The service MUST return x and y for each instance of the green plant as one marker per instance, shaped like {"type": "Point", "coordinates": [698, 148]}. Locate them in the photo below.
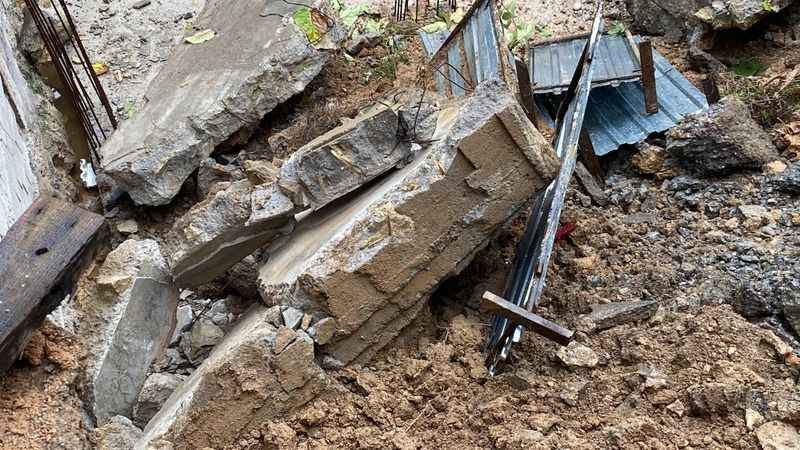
{"type": "Point", "coordinates": [747, 67]}
{"type": "Point", "coordinates": [446, 21]}
{"type": "Point", "coordinates": [617, 29]}
{"type": "Point", "coordinates": [767, 6]}
{"type": "Point", "coordinates": [769, 105]}
{"type": "Point", "coordinates": [518, 32]}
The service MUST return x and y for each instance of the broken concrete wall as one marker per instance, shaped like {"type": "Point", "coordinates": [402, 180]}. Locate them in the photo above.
{"type": "Point", "coordinates": [18, 184]}
{"type": "Point", "coordinates": [134, 317]}
{"type": "Point", "coordinates": [245, 381]}
{"type": "Point", "coordinates": [245, 215]}
{"type": "Point", "coordinates": [206, 92]}
{"type": "Point", "coordinates": [371, 263]}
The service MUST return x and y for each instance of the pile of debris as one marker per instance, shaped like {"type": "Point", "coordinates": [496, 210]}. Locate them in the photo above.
{"type": "Point", "coordinates": [346, 240]}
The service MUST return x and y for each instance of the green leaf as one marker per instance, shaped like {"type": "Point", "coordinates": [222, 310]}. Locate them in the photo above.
{"type": "Point", "coordinates": [336, 5]}
{"type": "Point", "coordinates": [375, 26]}
{"type": "Point", "coordinates": [350, 15]}
{"type": "Point", "coordinates": [435, 27]}
{"type": "Point", "coordinates": [302, 18]}
{"type": "Point", "coordinates": [457, 16]}
{"type": "Point", "coordinates": [747, 67]}
{"type": "Point", "coordinates": [201, 36]}
{"type": "Point", "coordinates": [617, 29]}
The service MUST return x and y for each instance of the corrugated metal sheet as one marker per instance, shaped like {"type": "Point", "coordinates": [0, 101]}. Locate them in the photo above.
{"type": "Point", "coordinates": [474, 52]}
{"type": "Point", "coordinates": [616, 114]}
{"type": "Point", "coordinates": [553, 64]}
{"type": "Point", "coordinates": [432, 41]}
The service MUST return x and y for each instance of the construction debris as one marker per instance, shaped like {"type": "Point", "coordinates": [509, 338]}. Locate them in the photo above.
{"type": "Point", "coordinates": [241, 382]}
{"type": "Point", "coordinates": [191, 111]}
{"type": "Point", "coordinates": [724, 140]}
{"type": "Point", "coordinates": [156, 390]}
{"type": "Point", "coordinates": [136, 317]}
{"type": "Point", "coordinates": [425, 220]}
{"type": "Point", "coordinates": [41, 258]}
{"type": "Point", "coordinates": [610, 315]}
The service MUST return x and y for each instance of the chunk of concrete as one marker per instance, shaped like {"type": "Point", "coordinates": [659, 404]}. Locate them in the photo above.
{"type": "Point", "coordinates": [136, 317]}
{"type": "Point", "coordinates": [778, 436]}
{"type": "Point", "coordinates": [229, 225]}
{"type": "Point", "coordinates": [345, 158]}
{"type": "Point", "coordinates": [242, 382]}
{"type": "Point", "coordinates": [371, 263]}
{"type": "Point", "coordinates": [157, 388]}
{"type": "Point", "coordinates": [207, 92]}
{"type": "Point", "coordinates": [118, 434]}
{"type": "Point", "coordinates": [577, 355]}
{"type": "Point", "coordinates": [720, 141]}
{"type": "Point", "coordinates": [610, 315]}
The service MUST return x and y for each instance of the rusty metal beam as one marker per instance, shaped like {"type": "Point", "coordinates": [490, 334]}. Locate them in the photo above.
{"type": "Point", "coordinates": [648, 77]}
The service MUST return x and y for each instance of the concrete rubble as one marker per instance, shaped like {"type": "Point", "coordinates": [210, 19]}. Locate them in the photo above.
{"type": "Point", "coordinates": [136, 316]}
{"type": "Point", "coordinates": [242, 382]}
{"type": "Point", "coordinates": [156, 390]}
{"type": "Point", "coordinates": [203, 95]}
{"type": "Point", "coordinates": [610, 315]}
{"type": "Point", "coordinates": [242, 216]}
{"type": "Point", "coordinates": [118, 434]}
{"type": "Point", "coordinates": [370, 264]}
{"type": "Point", "coordinates": [721, 141]}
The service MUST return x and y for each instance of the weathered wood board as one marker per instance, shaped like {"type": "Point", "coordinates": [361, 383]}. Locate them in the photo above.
{"type": "Point", "coordinates": [41, 259]}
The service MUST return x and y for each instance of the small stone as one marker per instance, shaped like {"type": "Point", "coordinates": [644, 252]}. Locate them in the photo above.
{"type": "Point", "coordinates": [613, 314]}
{"type": "Point", "coordinates": [778, 436]}
{"type": "Point", "coordinates": [776, 166]}
{"type": "Point", "coordinates": [128, 227]}
{"type": "Point", "coordinates": [283, 338]}
{"type": "Point", "coordinates": [306, 322]}
{"type": "Point", "coordinates": [677, 408]}
{"type": "Point", "coordinates": [183, 318]}
{"type": "Point", "coordinates": [753, 419]}
{"type": "Point", "coordinates": [274, 317]}
{"type": "Point", "coordinates": [205, 334]}
{"type": "Point", "coordinates": [754, 212]}
{"type": "Point", "coordinates": [586, 263]}
{"type": "Point", "coordinates": [292, 317]}
{"type": "Point", "coordinates": [118, 433]}
{"type": "Point", "coordinates": [577, 355]}
{"type": "Point", "coordinates": [653, 378]}
{"type": "Point", "coordinates": [157, 388]}
{"type": "Point", "coordinates": [323, 331]}
{"type": "Point", "coordinates": [571, 393]}
{"type": "Point", "coordinates": [141, 4]}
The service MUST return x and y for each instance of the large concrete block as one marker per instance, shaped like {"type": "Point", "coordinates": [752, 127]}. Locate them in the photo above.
{"type": "Point", "coordinates": [206, 92]}
{"type": "Point", "coordinates": [225, 228]}
{"type": "Point", "coordinates": [372, 263]}
{"type": "Point", "coordinates": [136, 316]}
{"type": "Point", "coordinates": [345, 158]}
{"type": "Point", "coordinates": [242, 383]}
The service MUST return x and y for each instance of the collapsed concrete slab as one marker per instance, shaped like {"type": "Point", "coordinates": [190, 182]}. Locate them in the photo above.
{"type": "Point", "coordinates": [225, 228]}
{"type": "Point", "coordinates": [208, 91]}
{"type": "Point", "coordinates": [136, 312]}
{"type": "Point", "coordinates": [345, 158]}
{"type": "Point", "coordinates": [244, 381]}
{"type": "Point", "coordinates": [243, 217]}
{"type": "Point", "coordinates": [371, 263]}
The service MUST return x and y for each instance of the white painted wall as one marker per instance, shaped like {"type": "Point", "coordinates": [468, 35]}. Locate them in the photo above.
{"type": "Point", "coordinates": [18, 184]}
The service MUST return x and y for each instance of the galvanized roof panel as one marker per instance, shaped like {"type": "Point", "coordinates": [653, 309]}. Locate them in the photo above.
{"type": "Point", "coordinates": [473, 52]}
{"type": "Point", "coordinates": [616, 114]}
{"type": "Point", "coordinates": [552, 64]}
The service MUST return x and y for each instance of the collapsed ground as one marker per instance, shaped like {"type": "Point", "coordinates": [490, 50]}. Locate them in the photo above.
{"type": "Point", "coordinates": [691, 376]}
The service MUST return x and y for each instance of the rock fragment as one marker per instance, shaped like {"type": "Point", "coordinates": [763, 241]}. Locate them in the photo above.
{"type": "Point", "coordinates": [577, 355]}
{"type": "Point", "coordinates": [136, 320]}
{"type": "Point", "coordinates": [778, 436]}
{"type": "Point", "coordinates": [323, 331]}
{"type": "Point", "coordinates": [242, 382]}
{"type": "Point", "coordinates": [610, 315]}
{"type": "Point", "coordinates": [206, 93]}
{"type": "Point", "coordinates": [723, 140]}
{"type": "Point", "coordinates": [788, 181]}
{"type": "Point", "coordinates": [292, 317]}
{"type": "Point", "coordinates": [230, 224]}
{"type": "Point", "coordinates": [345, 158]}
{"type": "Point", "coordinates": [118, 434]}
{"type": "Point", "coordinates": [371, 263]}
{"type": "Point", "coordinates": [157, 388]}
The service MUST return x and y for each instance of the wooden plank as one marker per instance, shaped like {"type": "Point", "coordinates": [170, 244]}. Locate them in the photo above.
{"type": "Point", "coordinates": [648, 77]}
{"type": "Point", "coordinates": [590, 185]}
{"type": "Point", "coordinates": [588, 156]}
{"type": "Point", "coordinates": [41, 258]}
{"type": "Point", "coordinates": [527, 319]}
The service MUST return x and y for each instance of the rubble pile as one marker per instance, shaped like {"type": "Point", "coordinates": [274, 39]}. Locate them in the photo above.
{"type": "Point", "coordinates": [260, 271]}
